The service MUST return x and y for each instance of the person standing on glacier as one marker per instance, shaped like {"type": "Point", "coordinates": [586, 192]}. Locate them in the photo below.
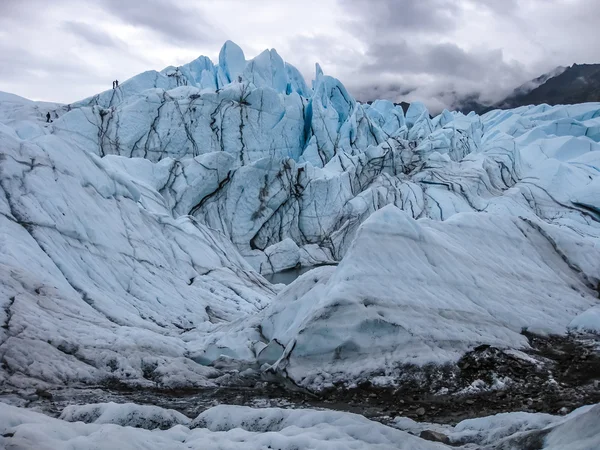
{"type": "Point", "coordinates": [116, 83]}
{"type": "Point", "coordinates": [48, 117]}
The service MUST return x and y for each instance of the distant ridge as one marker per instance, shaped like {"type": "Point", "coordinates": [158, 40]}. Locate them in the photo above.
{"type": "Point", "coordinates": [579, 83]}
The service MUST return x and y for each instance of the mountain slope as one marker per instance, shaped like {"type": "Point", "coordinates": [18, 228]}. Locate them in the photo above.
{"type": "Point", "coordinates": [579, 83]}
{"type": "Point", "coordinates": [530, 85]}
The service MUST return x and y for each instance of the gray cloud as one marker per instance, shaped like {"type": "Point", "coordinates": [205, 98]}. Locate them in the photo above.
{"type": "Point", "coordinates": [19, 63]}
{"type": "Point", "coordinates": [410, 55]}
{"type": "Point", "coordinates": [437, 51]}
{"type": "Point", "coordinates": [91, 34]}
{"type": "Point", "coordinates": [16, 11]}
{"type": "Point", "coordinates": [416, 16]}
{"type": "Point", "coordinates": [43, 75]}
{"type": "Point", "coordinates": [446, 70]}
{"type": "Point", "coordinates": [444, 58]}
{"type": "Point", "coordinates": [10, 9]}
{"type": "Point", "coordinates": [169, 19]}
{"type": "Point", "coordinates": [332, 53]}
{"type": "Point", "coordinates": [62, 50]}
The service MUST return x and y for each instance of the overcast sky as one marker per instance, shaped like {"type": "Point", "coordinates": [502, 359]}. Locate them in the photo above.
{"type": "Point", "coordinates": [65, 50]}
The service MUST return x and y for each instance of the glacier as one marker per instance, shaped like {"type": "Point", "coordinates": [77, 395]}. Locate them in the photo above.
{"type": "Point", "coordinates": [138, 226]}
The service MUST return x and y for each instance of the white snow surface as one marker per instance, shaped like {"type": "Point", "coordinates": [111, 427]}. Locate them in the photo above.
{"type": "Point", "coordinates": [130, 426]}
{"type": "Point", "coordinates": [221, 427]}
{"type": "Point", "coordinates": [134, 226]}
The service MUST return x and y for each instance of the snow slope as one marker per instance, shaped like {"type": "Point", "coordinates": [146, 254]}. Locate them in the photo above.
{"type": "Point", "coordinates": [94, 285]}
{"type": "Point", "coordinates": [23, 118]}
{"type": "Point", "coordinates": [135, 225]}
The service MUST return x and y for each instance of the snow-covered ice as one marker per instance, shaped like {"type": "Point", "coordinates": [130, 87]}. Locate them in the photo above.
{"type": "Point", "coordinates": [578, 430]}
{"type": "Point", "coordinates": [223, 427]}
{"type": "Point", "coordinates": [129, 426]}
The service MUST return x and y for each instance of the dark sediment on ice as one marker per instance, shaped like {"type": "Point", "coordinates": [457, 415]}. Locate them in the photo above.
{"type": "Point", "coordinates": [557, 375]}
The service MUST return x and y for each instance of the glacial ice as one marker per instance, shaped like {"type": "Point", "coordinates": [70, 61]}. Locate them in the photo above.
{"type": "Point", "coordinates": [136, 227]}
{"type": "Point", "coordinates": [511, 430]}
{"type": "Point", "coordinates": [418, 292]}
{"type": "Point", "coordinates": [94, 284]}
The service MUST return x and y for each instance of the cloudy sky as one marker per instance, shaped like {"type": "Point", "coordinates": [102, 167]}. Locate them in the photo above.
{"type": "Point", "coordinates": [432, 50]}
